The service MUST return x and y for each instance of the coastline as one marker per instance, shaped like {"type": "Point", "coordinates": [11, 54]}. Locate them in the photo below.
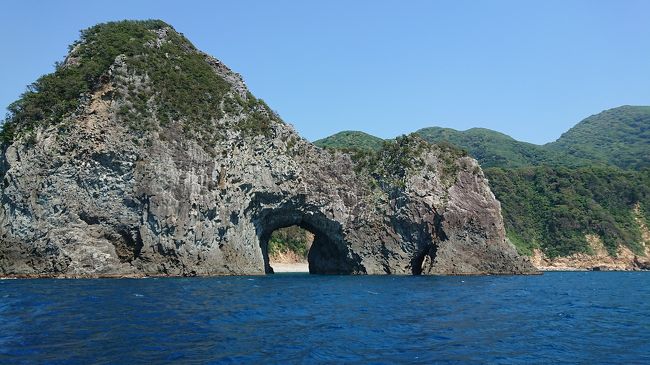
{"type": "Point", "coordinates": [292, 267]}
{"type": "Point", "coordinates": [303, 268]}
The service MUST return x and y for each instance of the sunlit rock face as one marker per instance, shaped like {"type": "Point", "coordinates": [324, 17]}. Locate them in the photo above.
{"type": "Point", "coordinates": [92, 196]}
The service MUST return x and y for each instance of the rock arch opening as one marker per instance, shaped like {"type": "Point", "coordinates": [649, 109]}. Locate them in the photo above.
{"type": "Point", "coordinates": [288, 249]}
{"type": "Point", "coordinates": [423, 260]}
{"type": "Point", "coordinates": [328, 253]}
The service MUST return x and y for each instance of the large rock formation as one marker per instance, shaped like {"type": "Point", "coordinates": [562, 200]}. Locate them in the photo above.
{"type": "Point", "coordinates": [134, 182]}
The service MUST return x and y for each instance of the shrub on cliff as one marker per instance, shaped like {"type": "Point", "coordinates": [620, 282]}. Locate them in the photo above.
{"type": "Point", "coordinates": [176, 84]}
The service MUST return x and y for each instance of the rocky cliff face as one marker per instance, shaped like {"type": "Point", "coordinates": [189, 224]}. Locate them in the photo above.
{"type": "Point", "coordinates": [129, 184]}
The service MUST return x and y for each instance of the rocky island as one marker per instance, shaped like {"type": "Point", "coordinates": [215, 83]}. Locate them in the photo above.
{"type": "Point", "coordinates": [141, 156]}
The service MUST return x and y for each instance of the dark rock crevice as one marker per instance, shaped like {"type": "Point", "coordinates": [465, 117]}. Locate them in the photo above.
{"type": "Point", "coordinates": [128, 244]}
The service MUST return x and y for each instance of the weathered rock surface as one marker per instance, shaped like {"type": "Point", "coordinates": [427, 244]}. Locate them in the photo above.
{"type": "Point", "coordinates": [97, 200]}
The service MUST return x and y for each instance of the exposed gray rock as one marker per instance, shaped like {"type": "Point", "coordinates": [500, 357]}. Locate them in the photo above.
{"type": "Point", "coordinates": [94, 199]}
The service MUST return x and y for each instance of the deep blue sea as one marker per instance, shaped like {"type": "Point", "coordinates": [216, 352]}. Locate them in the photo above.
{"type": "Point", "coordinates": [568, 317]}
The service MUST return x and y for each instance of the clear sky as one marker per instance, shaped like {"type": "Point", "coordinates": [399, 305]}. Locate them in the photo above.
{"type": "Point", "coordinates": [531, 69]}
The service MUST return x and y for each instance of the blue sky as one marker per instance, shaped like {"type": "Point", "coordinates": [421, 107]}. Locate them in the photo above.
{"type": "Point", "coordinates": [531, 69]}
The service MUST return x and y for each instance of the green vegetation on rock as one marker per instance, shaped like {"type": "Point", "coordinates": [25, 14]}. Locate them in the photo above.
{"type": "Point", "coordinates": [55, 95]}
{"type": "Point", "coordinates": [159, 77]}
{"type": "Point", "coordinates": [389, 166]}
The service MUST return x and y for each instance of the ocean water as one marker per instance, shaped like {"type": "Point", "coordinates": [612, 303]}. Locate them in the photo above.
{"type": "Point", "coordinates": [568, 317]}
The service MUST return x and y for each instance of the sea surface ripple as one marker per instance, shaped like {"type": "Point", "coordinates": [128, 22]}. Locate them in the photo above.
{"type": "Point", "coordinates": [568, 317]}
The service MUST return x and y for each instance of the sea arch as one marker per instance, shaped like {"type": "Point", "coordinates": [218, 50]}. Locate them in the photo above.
{"type": "Point", "coordinates": [329, 252]}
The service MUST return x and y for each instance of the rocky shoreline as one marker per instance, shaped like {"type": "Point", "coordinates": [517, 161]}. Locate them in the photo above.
{"type": "Point", "coordinates": [599, 259]}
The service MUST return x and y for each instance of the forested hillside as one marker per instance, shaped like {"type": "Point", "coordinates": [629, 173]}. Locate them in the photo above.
{"type": "Point", "coordinates": [553, 208]}
{"type": "Point", "coordinates": [589, 181]}
{"type": "Point", "coordinates": [492, 149]}
{"type": "Point", "coordinates": [351, 140]}
{"type": "Point", "coordinates": [619, 137]}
